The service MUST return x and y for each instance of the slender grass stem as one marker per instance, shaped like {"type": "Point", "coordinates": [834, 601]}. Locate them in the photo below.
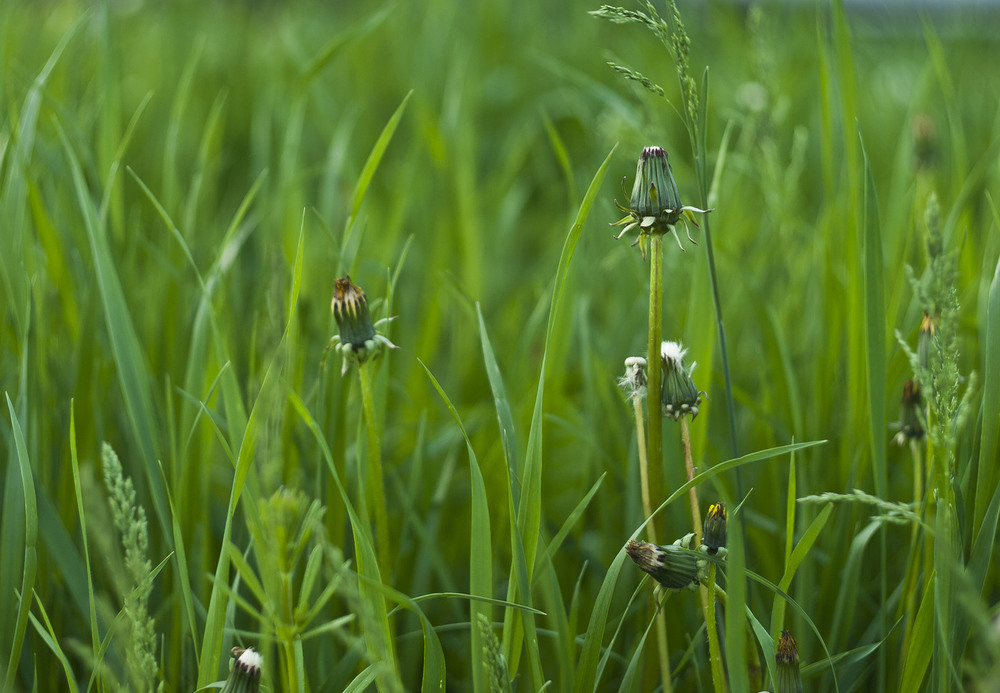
{"type": "Point", "coordinates": [376, 484]}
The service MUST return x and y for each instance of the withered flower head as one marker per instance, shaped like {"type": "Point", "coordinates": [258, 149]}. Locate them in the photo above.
{"type": "Point", "coordinates": [670, 566]}
{"type": "Point", "coordinates": [679, 396]}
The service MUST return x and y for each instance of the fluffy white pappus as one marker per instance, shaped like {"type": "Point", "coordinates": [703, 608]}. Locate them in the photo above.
{"type": "Point", "coordinates": [673, 353]}
{"type": "Point", "coordinates": [250, 659]}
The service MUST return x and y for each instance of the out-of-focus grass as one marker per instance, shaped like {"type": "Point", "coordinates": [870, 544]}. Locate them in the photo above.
{"type": "Point", "coordinates": [160, 164]}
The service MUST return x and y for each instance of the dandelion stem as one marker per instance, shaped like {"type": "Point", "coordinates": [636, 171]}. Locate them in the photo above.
{"type": "Point", "coordinates": [655, 434]}
{"type": "Point", "coordinates": [714, 652]}
{"type": "Point", "coordinates": [647, 506]}
{"type": "Point", "coordinates": [375, 485]}
{"type": "Point", "coordinates": [651, 475]}
{"type": "Point", "coordinates": [689, 466]}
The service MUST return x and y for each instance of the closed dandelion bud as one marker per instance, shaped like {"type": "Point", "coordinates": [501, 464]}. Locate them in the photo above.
{"type": "Point", "coordinates": [350, 309]}
{"type": "Point", "coordinates": [679, 396]}
{"type": "Point", "coordinates": [655, 196]}
{"type": "Point", "coordinates": [910, 414]}
{"type": "Point", "coordinates": [655, 205]}
{"type": "Point", "coordinates": [924, 342]}
{"type": "Point", "coordinates": [715, 528]}
{"type": "Point", "coordinates": [670, 566]}
{"type": "Point", "coordinates": [244, 677]}
{"type": "Point", "coordinates": [787, 659]}
{"type": "Point", "coordinates": [357, 340]}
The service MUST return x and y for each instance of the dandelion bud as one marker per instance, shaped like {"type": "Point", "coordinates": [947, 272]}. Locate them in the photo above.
{"type": "Point", "coordinates": [358, 340]}
{"type": "Point", "coordinates": [244, 677]}
{"type": "Point", "coordinates": [787, 659]}
{"type": "Point", "coordinates": [715, 528]}
{"type": "Point", "coordinates": [655, 205]}
{"type": "Point", "coordinates": [670, 566]}
{"type": "Point", "coordinates": [655, 196]}
{"type": "Point", "coordinates": [925, 141]}
{"type": "Point", "coordinates": [924, 342]}
{"type": "Point", "coordinates": [910, 414]}
{"type": "Point", "coordinates": [679, 396]}
{"type": "Point", "coordinates": [350, 308]}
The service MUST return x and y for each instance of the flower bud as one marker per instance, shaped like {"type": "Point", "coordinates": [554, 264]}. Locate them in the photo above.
{"type": "Point", "coordinates": [911, 414]}
{"type": "Point", "coordinates": [244, 677]}
{"type": "Point", "coordinates": [679, 396]}
{"type": "Point", "coordinates": [655, 205]}
{"type": "Point", "coordinates": [357, 339]}
{"type": "Point", "coordinates": [924, 342]}
{"type": "Point", "coordinates": [715, 528]}
{"type": "Point", "coordinates": [787, 659]}
{"type": "Point", "coordinates": [670, 566]}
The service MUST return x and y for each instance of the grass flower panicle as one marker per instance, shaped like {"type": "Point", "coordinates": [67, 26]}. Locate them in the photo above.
{"type": "Point", "coordinates": [655, 206]}
{"type": "Point", "coordinates": [679, 396]}
{"type": "Point", "coordinates": [358, 339]}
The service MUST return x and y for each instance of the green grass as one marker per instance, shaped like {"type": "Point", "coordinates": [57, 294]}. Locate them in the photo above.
{"type": "Point", "coordinates": [181, 183]}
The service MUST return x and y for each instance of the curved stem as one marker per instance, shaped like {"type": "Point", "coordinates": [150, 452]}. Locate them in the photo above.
{"type": "Point", "coordinates": [689, 466]}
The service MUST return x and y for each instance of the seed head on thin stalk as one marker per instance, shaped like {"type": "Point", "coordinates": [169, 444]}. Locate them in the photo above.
{"type": "Point", "coordinates": [655, 206]}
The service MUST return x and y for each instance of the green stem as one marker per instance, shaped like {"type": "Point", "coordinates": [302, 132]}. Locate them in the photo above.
{"type": "Point", "coordinates": [689, 466]}
{"type": "Point", "coordinates": [714, 652]}
{"type": "Point", "coordinates": [647, 506]}
{"type": "Point", "coordinates": [651, 475]}
{"type": "Point", "coordinates": [376, 484]}
{"type": "Point", "coordinates": [655, 434]}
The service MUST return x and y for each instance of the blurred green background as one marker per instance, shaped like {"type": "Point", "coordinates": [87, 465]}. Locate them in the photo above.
{"type": "Point", "coordinates": [513, 109]}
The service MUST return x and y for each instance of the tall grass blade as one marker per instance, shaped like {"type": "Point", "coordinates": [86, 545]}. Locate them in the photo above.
{"type": "Point", "coordinates": [480, 547]}
{"type": "Point", "coordinates": [986, 480]}
{"type": "Point", "coordinates": [132, 370]}
{"type": "Point", "coordinates": [347, 254]}
{"type": "Point", "coordinates": [30, 561]}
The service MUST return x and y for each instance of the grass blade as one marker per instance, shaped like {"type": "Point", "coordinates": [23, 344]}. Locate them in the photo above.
{"type": "Point", "coordinates": [30, 548]}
